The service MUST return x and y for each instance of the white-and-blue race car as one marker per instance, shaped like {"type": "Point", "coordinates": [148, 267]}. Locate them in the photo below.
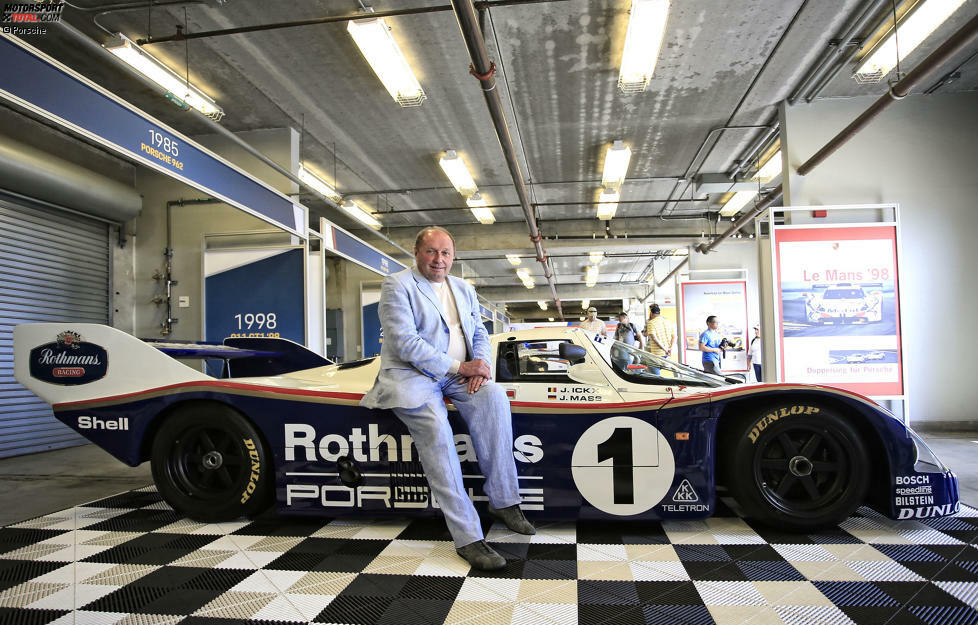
{"type": "Point", "coordinates": [615, 433]}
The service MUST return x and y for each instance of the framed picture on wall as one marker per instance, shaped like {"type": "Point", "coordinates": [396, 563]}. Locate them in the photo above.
{"type": "Point", "coordinates": [838, 303]}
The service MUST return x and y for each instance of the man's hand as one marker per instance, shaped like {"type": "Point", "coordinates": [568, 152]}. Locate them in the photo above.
{"type": "Point", "coordinates": [474, 368]}
{"type": "Point", "coordinates": [476, 382]}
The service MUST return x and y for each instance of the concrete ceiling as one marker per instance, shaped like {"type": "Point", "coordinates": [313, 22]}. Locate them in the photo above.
{"type": "Point", "coordinates": [723, 63]}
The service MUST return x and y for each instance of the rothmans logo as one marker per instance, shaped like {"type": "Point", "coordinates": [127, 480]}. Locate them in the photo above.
{"type": "Point", "coordinates": [68, 360]}
{"type": "Point", "coordinates": [27, 13]}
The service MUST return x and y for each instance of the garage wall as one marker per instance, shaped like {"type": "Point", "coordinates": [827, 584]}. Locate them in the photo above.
{"type": "Point", "coordinates": [343, 292]}
{"type": "Point", "coordinates": [189, 225]}
{"type": "Point", "coordinates": [921, 153]}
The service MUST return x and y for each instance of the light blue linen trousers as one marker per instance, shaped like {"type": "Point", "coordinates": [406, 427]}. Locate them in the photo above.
{"type": "Point", "coordinates": [487, 415]}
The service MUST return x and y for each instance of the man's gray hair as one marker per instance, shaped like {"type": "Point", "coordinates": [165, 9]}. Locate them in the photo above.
{"type": "Point", "coordinates": [424, 232]}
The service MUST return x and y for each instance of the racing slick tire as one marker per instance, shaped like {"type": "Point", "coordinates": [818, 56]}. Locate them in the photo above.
{"type": "Point", "coordinates": [210, 463]}
{"type": "Point", "coordinates": [797, 466]}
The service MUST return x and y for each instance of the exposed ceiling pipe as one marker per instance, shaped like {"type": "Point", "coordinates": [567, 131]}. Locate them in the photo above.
{"type": "Point", "coordinates": [329, 19]}
{"type": "Point", "coordinates": [485, 71]}
{"type": "Point", "coordinates": [112, 60]}
{"type": "Point", "coordinates": [837, 54]}
{"type": "Point", "coordinates": [762, 141]}
{"type": "Point", "coordinates": [955, 43]}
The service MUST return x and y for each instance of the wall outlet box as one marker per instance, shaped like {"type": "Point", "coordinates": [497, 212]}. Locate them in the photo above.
{"type": "Point", "coordinates": [183, 301]}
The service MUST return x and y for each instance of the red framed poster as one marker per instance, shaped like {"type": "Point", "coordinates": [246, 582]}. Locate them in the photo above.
{"type": "Point", "coordinates": [838, 299]}
{"type": "Point", "coordinates": [727, 299]}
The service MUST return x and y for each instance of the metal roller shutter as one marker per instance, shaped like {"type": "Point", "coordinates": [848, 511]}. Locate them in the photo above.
{"type": "Point", "coordinates": [54, 266]}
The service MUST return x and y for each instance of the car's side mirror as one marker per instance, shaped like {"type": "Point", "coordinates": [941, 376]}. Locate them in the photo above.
{"type": "Point", "coordinates": [586, 373]}
{"type": "Point", "coordinates": [571, 353]}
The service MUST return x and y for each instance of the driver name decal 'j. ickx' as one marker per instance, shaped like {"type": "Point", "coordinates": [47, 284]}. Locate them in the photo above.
{"type": "Point", "coordinates": [573, 393]}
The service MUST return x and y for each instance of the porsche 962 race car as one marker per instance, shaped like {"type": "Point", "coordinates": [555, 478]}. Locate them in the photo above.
{"type": "Point", "coordinates": [616, 433]}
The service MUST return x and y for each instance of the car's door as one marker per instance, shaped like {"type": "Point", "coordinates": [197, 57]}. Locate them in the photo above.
{"type": "Point", "coordinates": [536, 372]}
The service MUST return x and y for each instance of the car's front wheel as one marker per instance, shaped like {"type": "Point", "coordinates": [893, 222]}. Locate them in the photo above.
{"type": "Point", "coordinates": [796, 466]}
{"type": "Point", "coordinates": [209, 463]}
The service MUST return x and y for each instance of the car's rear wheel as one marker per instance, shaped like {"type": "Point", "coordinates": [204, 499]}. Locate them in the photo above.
{"type": "Point", "coordinates": [210, 463]}
{"type": "Point", "coordinates": [797, 466]}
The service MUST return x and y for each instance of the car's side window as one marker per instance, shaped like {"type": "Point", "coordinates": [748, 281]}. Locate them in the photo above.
{"type": "Point", "coordinates": [531, 361]}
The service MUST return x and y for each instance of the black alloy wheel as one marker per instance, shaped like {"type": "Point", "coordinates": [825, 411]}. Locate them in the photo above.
{"type": "Point", "coordinates": [800, 467]}
{"type": "Point", "coordinates": [210, 463]}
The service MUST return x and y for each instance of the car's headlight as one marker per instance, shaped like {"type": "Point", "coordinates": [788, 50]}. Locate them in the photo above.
{"type": "Point", "coordinates": [927, 461]}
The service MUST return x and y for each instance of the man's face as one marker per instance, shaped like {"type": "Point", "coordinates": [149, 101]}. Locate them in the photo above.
{"type": "Point", "coordinates": [591, 314]}
{"type": "Point", "coordinates": [622, 318]}
{"type": "Point", "coordinates": [713, 325]}
{"type": "Point", "coordinates": [435, 255]}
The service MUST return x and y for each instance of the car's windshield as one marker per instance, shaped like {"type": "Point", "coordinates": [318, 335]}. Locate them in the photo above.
{"type": "Point", "coordinates": [843, 294]}
{"type": "Point", "coordinates": [636, 365]}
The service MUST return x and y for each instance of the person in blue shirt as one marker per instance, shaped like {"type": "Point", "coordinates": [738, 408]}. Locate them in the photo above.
{"type": "Point", "coordinates": [710, 345]}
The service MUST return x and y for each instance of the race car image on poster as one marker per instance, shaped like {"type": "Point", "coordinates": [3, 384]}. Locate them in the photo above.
{"type": "Point", "coordinates": [844, 302]}
{"type": "Point", "coordinates": [651, 440]}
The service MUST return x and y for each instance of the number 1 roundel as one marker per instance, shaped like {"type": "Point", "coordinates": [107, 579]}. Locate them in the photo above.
{"type": "Point", "coordinates": [622, 465]}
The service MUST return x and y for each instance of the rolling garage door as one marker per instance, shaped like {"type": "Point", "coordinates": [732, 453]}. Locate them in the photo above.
{"type": "Point", "coordinates": [54, 266]}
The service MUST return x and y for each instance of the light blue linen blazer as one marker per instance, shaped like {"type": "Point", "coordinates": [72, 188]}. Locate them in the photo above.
{"type": "Point", "coordinates": [413, 355]}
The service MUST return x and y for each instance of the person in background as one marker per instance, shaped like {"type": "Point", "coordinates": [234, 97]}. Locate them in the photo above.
{"type": "Point", "coordinates": [754, 353]}
{"type": "Point", "coordinates": [435, 347]}
{"type": "Point", "coordinates": [627, 333]}
{"type": "Point", "coordinates": [660, 333]}
{"type": "Point", "coordinates": [593, 324]}
{"type": "Point", "coordinates": [710, 346]}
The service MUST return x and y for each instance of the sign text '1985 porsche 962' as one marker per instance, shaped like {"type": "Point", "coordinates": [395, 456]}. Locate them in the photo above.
{"type": "Point", "coordinates": [601, 431]}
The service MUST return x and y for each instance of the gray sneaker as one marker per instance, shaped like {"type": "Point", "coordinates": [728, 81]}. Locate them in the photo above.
{"type": "Point", "coordinates": [481, 556]}
{"type": "Point", "coordinates": [513, 517]}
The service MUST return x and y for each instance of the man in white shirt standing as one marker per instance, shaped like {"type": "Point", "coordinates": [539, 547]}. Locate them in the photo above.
{"type": "Point", "coordinates": [593, 324]}
{"type": "Point", "coordinates": [754, 354]}
{"type": "Point", "coordinates": [435, 346]}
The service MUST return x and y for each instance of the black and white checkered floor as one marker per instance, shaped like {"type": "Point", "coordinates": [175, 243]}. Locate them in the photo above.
{"type": "Point", "coordinates": [131, 559]}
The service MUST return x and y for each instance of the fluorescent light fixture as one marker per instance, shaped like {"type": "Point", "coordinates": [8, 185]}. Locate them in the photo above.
{"type": "Point", "coordinates": [316, 183]}
{"type": "Point", "coordinates": [616, 165]}
{"type": "Point", "coordinates": [591, 275]}
{"type": "Point", "coordinates": [582, 318]}
{"type": "Point", "coordinates": [477, 204]}
{"type": "Point", "coordinates": [529, 283]}
{"type": "Point", "coordinates": [550, 319]}
{"type": "Point", "coordinates": [770, 170]}
{"type": "Point", "coordinates": [910, 33]}
{"type": "Point", "coordinates": [608, 204]}
{"type": "Point", "coordinates": [739, 200]}
{"type": "Point", "coordinates": [585, 303]}
{"type": "Point", "coordinates": [595, 256]}
{"type": "Point", "coordinates": [359, 214]}
{"type": "Point", "coordinates": [514, 259]}
{"type": "Point", "coordinates": [458, 173]}
{"type": "Point", "coordinates": [646, 27]}
{"type": "Point", "coordinates": [542, 304]}
{"type": "Point", "coordinates": [177, 87]}
{"type": "Point", "coordinates": [523, 273]}
{"type": "Point", "coordinates": [377, 45]}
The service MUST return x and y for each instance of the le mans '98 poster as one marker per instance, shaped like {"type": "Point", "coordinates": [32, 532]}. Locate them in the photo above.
{"type": "Point", "coordinates": [840, 313]}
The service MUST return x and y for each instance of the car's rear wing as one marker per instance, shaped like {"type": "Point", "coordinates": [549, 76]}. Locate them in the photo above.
{"type": "Point", "coordinates": [67, 362]}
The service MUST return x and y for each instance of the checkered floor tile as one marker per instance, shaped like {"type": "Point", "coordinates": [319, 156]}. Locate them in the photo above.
{"type": "Point", "coordinates": [131, 559]}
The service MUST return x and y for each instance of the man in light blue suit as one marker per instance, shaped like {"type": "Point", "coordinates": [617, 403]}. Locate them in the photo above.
{"type": "Point", "coordinates": [435, 346]}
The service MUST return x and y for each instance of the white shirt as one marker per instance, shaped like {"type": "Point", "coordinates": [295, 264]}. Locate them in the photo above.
{"type": "Point", "coordinates": [456, 340]}
{"type": "Point", "coordinates": [754, 351]}
{"type": "Point", "coordinates": [595, 326]}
